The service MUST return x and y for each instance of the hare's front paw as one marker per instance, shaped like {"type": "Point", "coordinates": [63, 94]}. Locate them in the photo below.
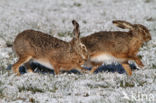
{"type": "Point", "coordinates": [141, 66]}
{"type": "Point", "coordinates": [16, 71]}
{"type": "Point", "coordinates": [93, 69]}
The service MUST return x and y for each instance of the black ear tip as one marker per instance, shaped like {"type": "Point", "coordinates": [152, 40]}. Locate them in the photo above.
{"type": "Point", "coordinates": [73, 22]}
{"type": "Point", "coordinates": [114, 21]}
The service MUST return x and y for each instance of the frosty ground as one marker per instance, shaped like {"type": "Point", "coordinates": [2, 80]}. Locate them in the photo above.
{"type": "Point", "coordinates": [54, 17]}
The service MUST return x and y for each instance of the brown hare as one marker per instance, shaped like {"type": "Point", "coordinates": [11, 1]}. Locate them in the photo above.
{"type": "Point", "coordinates": [117, 46]}
{"type": "Point", "coordinates": [36, 46]}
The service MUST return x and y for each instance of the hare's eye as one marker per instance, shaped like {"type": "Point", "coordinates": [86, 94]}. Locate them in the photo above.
{"type": "Point", "coordinates": [83, 47]}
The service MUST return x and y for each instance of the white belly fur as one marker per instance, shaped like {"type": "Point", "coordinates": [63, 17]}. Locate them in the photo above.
{"type": "Point", "coordinates": [43, 62]}
{"type": "Point", "coordinates": [106, 59]}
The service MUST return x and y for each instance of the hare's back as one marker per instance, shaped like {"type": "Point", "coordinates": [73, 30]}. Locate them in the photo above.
{"type": "Point", "coordinates": [35, 37]}
{"type": "Point", "coordinates": [39, 39]}
{"type": "Point", "coordinates": [31, 42]}
{"type": "Point", "coordinates": [107, 41]}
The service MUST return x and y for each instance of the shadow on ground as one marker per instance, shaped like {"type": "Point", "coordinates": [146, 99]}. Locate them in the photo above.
{"type": "Point", "coordinates": [38, 68]}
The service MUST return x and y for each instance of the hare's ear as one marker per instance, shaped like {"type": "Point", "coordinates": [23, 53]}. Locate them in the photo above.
{"type": "Point", "coordinates": [123, 24]}
{"type": "Point", "coordinates": [76, 30]}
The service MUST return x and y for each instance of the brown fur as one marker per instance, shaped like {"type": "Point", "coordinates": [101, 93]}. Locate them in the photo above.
{"type": "Point", "coordinates": [122, 45]}
{"type": "Point", "coordinates": [30, 45]}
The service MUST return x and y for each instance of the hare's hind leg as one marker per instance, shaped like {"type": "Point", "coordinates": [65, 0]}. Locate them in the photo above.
{"type": "Point", "coordinates": [21, 60]}
{"type": "Point", "coordinates": [127, 68]}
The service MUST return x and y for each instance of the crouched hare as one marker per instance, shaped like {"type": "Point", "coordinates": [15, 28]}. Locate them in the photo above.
{"type": "Point", "coordinates": [35, 46]}
{"type": "Point", "coordinates": [117, 46]}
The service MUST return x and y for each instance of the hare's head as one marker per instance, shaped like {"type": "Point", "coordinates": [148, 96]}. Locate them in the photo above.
{"type": "Point", "coordinates": [136, 29]}
{"type": "Point", "coordinates": [143, 31]}
{"type": "Point", "coordinates": [77, 45]}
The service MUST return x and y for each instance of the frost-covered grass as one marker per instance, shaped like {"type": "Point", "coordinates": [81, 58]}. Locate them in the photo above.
{"type": "Point", "coordinates": [54, 17]}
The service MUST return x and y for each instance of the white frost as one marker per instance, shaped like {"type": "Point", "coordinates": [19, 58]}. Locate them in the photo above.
{"type": "Point", "coordinates": [55, 16]}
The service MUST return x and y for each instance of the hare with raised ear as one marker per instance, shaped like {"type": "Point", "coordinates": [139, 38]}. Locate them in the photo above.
{"type": "Point", "coordinates": [36, 46]}
{"type": "Point", "coordinates": [117, 46]}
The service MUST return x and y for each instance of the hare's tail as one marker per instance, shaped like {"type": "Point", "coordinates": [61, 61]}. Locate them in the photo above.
{"type": "Point", "coordinates": [123, 24]}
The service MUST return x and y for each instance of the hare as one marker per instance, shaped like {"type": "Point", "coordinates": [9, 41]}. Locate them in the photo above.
{"type": "Point", "coordinates": [39, 47]}
{"type": "Point", "coordinates": [117, 46]}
